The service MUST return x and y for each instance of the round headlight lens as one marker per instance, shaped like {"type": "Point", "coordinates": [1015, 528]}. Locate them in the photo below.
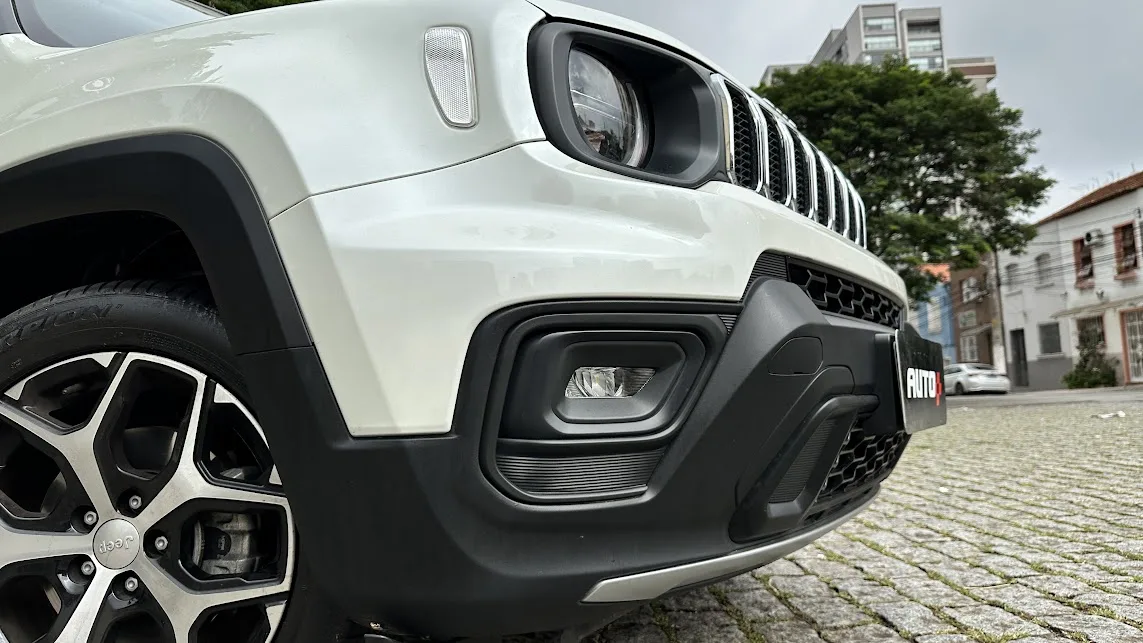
{"type": "Point", "coordinates": [607, 109]}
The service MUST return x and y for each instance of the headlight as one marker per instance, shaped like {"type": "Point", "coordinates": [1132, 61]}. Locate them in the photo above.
{"type": "Point", "coordinates": [607, 110]}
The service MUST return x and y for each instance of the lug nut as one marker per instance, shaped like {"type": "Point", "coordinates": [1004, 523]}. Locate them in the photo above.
{"type": "Point", "coordinates": [161, 543]}
{"type": "Point", "coordinates": [135, 503]}
{"type": "Point", "coordinates": [87, 568]}
{"type": "Point", "coordinates": [131, 584]}
{"type": "Point", "coordinates": [90, 518]}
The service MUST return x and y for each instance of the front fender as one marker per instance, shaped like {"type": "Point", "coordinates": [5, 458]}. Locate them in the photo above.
{"type": "Point", "coordinates": [309, 98]}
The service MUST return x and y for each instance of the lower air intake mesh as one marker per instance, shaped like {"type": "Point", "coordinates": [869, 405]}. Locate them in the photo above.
{"type": "Point", "coordinates": [795, 479]}
{"type": "Point", "coordinates": [556, 476]}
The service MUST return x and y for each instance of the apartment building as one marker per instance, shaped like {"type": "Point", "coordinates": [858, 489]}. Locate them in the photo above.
{"type": "Point", "coordinates": [1081, 271]}
{"type": "Point", "coordinates": [972, 316]}
{"type": "Point", "coordinates": [876, 31]}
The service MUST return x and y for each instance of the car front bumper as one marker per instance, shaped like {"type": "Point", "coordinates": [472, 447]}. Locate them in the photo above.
{"type": "Point", "coordinates": [790, 431]}
{"type": "Point", "coordinates": [415, 508]}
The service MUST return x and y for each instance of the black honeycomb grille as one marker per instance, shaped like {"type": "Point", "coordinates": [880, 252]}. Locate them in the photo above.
{"type": "Point", "coordinates": [863, 461]}
{"type": "Point", "coordinates": [835, 294]}
{"type": "Point", "coordinates": [824, 178]}
{"type": "Point", "coordinates": [779, 185]}
{"type": "Point", "coordinates": [746, 153]}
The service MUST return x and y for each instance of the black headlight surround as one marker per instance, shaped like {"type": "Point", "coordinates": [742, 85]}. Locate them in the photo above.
{"type": "Point", "coordinates": [687, 145]}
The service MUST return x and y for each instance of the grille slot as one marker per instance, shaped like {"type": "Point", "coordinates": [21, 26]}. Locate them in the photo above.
{"type": "Point", "coordinates": [801, 178]}
{"type": "Point", "coordinates": [839, 295]}
{"type": "Point", "coordinates": [863, 461]}
{"type": "Point", "coordinates": [779, 180]}
{"type": "Point", "coordinates": [746, 167]}
{"type": "Point", "coordinates": [842, 223]}
{"type": "Point", "coordinates": [576, 475]}
{"type": "Point", "coordinates": [825, 205]}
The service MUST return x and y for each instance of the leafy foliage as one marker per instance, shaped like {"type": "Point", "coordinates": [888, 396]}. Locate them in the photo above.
{"type": "Point", "coordinates": [921, 146]}
{"type": "Point", "coordinates": [239, 6]}
{"type": "Point", "coordinates": [1094, 368]}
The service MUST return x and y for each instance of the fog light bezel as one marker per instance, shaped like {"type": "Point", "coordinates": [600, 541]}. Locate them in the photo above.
{"type": "Point", "coordinates": [537, 409]}
{"type": "Point", "coordinates": [490, 373]}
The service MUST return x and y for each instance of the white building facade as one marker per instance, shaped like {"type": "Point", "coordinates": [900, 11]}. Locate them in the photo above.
{"type": "Point", "coordinates": [1081, 271]}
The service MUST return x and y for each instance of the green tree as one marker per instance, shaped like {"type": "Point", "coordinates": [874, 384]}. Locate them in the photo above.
{"type": "Point", "coordinates": [1094, 368]}
{"type": "Point", "coordinates": [239, 6]}
{"type": "Point", "coordinates": [914, 142]}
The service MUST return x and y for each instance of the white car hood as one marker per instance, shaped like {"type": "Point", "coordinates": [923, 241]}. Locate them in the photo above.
{"type": "Point", "coordinates": [569, 11]}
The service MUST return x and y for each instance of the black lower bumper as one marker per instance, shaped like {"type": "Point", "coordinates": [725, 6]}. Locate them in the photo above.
{"type": "Point", "coordinates": [789, 423]}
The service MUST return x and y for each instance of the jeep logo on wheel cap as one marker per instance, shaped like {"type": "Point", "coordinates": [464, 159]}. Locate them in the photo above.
{"type": "Point", "coordinates": [116, 544]}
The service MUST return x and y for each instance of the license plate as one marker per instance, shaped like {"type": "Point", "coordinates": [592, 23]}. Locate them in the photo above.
{"type": "Point", "coordinates": [920, 380]}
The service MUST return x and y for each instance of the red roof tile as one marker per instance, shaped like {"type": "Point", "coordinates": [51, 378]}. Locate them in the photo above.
{"type": "Point", "coordinates": [1105, 193]}
{"type": "Point", "coordinates": [938, 270]}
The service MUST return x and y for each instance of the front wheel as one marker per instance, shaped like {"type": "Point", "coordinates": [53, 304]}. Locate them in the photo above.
{"type": "Point", "coordinates": [138, 497]}
{"type": "Point", "coordinates": [959, 389]}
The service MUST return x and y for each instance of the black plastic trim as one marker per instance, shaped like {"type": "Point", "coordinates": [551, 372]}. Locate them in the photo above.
{"type": "Point", "coordinates": [507, 333]}
{"type": "Point", "coordinates": [687, 147]}
{"type": "Point", "coordinates": [198, 186]}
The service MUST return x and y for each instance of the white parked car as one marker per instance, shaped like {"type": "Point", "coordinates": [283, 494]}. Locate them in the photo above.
{"type": "Point", "coordinates": [975, 378]}
{"type": "Point", "coordinates": [416, 320]}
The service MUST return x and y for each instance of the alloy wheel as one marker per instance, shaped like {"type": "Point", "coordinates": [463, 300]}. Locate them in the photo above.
{"type": "Point", "coordinates": [138, 502]}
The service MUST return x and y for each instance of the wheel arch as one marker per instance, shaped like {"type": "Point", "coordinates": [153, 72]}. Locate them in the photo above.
{"type": "Point", "coordinates": [198, 186]}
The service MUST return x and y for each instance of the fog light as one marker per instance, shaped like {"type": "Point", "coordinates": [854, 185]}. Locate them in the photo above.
{"type": "Point", "coordinates": [607, 381]}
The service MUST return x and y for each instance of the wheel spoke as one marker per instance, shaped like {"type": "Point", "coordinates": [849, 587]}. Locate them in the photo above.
{"type": "Point", "coordinates": [79, 624]}
{"type": "Point", "coordinates": [183, 606]}
{"type": "Point", "coordinates": [188, 481]}
{"type": "Point", "coordinates": [76, 447]}
{"type": "Point", "coordinates": [19, 546]}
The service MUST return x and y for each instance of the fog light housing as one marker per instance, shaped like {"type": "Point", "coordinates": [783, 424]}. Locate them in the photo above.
{"type": "Point", "coordinates": [607, 381]}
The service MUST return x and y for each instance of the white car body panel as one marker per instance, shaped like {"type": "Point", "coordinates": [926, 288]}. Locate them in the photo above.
{"type": "Point", "coordinates": [394, 277]}
{"type": "Point", "coordinates": [324, 115]}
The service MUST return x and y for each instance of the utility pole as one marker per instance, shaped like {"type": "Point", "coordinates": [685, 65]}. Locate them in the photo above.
{"type": "Point", "coordinates": [999, 343]}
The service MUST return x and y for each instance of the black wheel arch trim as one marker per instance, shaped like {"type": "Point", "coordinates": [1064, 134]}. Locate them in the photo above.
{"type": "Point", "coordinates": [196, 184]}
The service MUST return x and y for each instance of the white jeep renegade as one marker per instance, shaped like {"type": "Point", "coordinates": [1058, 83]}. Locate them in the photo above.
{"type": "Point", "coordinates": [416, 320]}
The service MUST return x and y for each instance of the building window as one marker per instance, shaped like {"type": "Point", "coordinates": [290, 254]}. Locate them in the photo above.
{"type": "Point", "coordinates": [927, 64]}
{"type": "Point", "coordinates": [968, 289]}
{"type": "Point", "coordinates": [881, 24]}
{"type": "Point", "coordinates": [924, 46]}
{"type": "Point", "coordinates": [1043, 270]}
{"type": "Point", "coordinates": [968, 349]}
{"type": "Point", "coordinates": [1084, 268]}
{"type": "Point", "coordinates": [1090, 325]}
{"type": "Point", "coordinates": [967, 319]}
{"type": "Point", "coordinates": [918, 29]}
{"type": "Point", "coordinates": [1012, 275]}
{"type": "Point", "coordinates": [934, 314]}
{"type": "Point", "coordinates": [1050, 339]}
{"type": "Point", "coordinates": [880, 43]}
{"type": "Point", "coordinates": [1126, 253]}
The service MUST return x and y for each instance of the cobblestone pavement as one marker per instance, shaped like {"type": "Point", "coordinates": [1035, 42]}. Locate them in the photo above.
{"type": "Point", "coordinates": [1008, 524]}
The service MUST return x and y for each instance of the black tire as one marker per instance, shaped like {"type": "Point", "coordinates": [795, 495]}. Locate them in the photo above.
{"type": "Point", "coordinates": [175, 320]}
{"type": "Point", "coordinates": [169, 319]}
{"type": "Point", "coordinates": [959, 389]}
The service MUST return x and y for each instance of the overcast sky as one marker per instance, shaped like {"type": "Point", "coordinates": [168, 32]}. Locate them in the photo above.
{"type": "Point", "coordinates": [1075, 68]}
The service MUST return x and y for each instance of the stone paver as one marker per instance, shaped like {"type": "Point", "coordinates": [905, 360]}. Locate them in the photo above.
{"type": "Point", "coordinates": [1011, 523]}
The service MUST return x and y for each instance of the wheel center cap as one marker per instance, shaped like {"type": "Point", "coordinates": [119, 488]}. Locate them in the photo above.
{"type": "Point", "coordinates": [116, 544]}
